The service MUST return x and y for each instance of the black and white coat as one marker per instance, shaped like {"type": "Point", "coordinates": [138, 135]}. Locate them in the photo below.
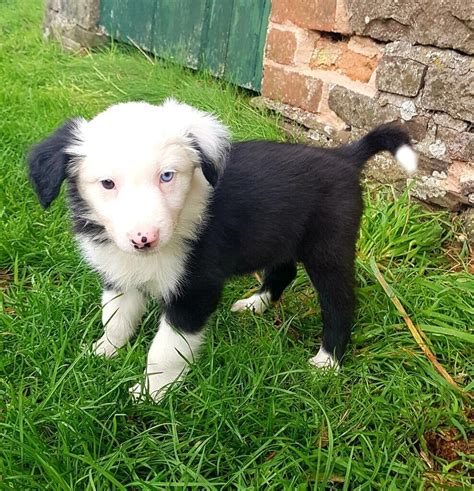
{"type": "Point", "coordinates": [163, 205]}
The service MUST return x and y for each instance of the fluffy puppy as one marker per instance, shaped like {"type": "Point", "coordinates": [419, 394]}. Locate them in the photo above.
{"type": "Point", "coordinates": [163, 205]}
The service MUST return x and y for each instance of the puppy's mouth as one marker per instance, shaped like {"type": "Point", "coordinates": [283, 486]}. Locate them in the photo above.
{"type": "Point", "coordinates": [146, 247]}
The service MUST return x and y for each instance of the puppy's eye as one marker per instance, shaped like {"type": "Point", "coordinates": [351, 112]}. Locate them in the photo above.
{"type": "Point", "coordinates": [108, 184]}
{"type": "Point", "coordinates": [167, 176]}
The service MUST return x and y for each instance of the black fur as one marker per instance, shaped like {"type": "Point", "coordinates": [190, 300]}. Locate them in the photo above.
{"type": "Point", "coordinates": [386, 137]}
{"type": "Point", "coordinates": [209, 169]}
{"type": "Point", "coordinates": [272, 206]}
{"type": "Point", "coordinates": [275, 205]}
{"type": "Point", "coordinates": [80, 211]}
{"type": "Point", "coordinates": [277, 278]}
{"type": "Point", "coordinates": [48, 162]}
{"type": "Point", "coordinates": [49, 167]}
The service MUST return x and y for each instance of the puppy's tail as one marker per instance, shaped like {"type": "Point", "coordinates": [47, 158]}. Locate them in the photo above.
{"type": "Point", "coordinates": [385, 137]}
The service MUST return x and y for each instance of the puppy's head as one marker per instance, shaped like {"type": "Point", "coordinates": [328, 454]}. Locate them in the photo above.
{"type": "Point", "coordinates": [136, 172]}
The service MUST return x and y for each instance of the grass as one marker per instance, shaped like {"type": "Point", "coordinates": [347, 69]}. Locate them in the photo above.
{"type": "Point", "coordinates": [251, 414]}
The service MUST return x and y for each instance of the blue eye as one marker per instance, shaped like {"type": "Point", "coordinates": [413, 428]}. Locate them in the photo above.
{"type": "Point", "coordinates": [167, 176]}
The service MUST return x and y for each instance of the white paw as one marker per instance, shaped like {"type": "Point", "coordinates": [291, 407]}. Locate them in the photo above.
{"type": "Point", "coordinates": [258, 302]}
{"type": "Point", "coordinates": [324, 360]}
{"type": "Point", "coordinates": [140, 392]}
{"type": "Point", "coordinates": [103, 347]}
{"type": "Point", "coordinates": [137, 392]}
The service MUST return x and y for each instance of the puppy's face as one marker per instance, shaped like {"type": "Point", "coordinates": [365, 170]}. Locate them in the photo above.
{"type": "Point", "coordinates": [135, 181]}
{"type": "Point", "coordinates": [135, 169]}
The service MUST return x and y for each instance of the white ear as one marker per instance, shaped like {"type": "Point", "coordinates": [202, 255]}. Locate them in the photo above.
{"type": "Point", "coordinates": [208, 136]}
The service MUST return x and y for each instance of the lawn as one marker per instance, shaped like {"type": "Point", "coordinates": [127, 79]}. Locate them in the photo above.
{"type": "Point", "coordinates": [252, 414]}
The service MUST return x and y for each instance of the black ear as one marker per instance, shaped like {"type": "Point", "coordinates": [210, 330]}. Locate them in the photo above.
{"type": "Point", "coordinates": [207, 166]}
{"type": "Point", "coordinates": [48, 162]}
{"type": "Point", "coordinates": [211, 168]}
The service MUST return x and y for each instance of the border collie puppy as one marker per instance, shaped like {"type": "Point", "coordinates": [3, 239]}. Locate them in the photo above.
{"type": "Point", "coordinates": [164, 205]}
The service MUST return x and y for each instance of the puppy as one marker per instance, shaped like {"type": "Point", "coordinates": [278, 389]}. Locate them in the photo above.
{"type": "Point", "coordinates": [164, 205]}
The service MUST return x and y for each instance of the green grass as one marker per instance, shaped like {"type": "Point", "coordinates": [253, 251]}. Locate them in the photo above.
{"type": "Point", "coordinates": [251, 414]}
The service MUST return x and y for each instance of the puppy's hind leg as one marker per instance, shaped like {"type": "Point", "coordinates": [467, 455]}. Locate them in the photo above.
{"type": "Point", "coordinates": [121, 313]}
{"type": "Point", "coordinates": [334, 280]}
{"type": "Point", "coordinates": [275, 280]}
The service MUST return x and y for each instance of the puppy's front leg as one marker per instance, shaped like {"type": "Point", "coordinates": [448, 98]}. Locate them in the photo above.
{"type": "Point", "coordinates": [168, 360]}
{"type": "Point", "coordinates": [121, 313]}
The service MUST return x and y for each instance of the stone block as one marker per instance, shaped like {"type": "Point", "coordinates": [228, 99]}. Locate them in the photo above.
{"type": "Point", "coordinates": [468, 223]}
{"type": "Point", "coordinates": [84, 13]}
{"type": "Point", "coordinates": [428, 55]}
{"type": "Point", "coordinates": [459, 145]}
{"type": "Point", "coordinates": [291, 87]}
{"type": "Point", "coordinates": [441, 188]}
{"type": "Point", "coordinates": [383, 169]}
{"type": "Point", "coordinates": [74, 24]}
{"type": "Point", "coordinates": [341, 22]}
{"type": "Point", "coordinates": [400, 75]}
{"type": "Point", "coordinates": [443, 119]}
{"type": "Point", "coordinates": [449, 91]}
{"type": "Point", "coordinates": [417, 127]}
{"type": "Point", "coordinates": [441, 23]}
{"type": "Point", "coordinates": [359, 110]}
{"type": "Point", "coordinates": [448, 81]}
{"type": "Point", "coordinates": [308, 125]}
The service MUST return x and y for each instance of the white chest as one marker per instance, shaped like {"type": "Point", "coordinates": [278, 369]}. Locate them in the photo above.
{"type": "Point", "coordinates": [158, 274]}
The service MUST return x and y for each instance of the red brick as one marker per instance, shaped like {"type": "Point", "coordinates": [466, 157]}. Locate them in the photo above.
{"type": "Point", "coordinates": [281, 46]}
{"type": "Point", "coordinates": [306, 41]}
{"type": "Point", "coordinates": [337, 57]}
{"type": "Point", "coordinates": [291, 87]}
{"type": "Point", "coordinates": [311, 14]}
{"type": "Point", "coordinates": [326, 54]}
{"type": "Point", "coordinates": [356, 66]}
{"type": "Point", "coordinates": [341, 22]}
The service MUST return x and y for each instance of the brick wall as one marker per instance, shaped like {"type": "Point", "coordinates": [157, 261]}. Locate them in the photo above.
{"type": "Point", "coordinates": [340, 67]}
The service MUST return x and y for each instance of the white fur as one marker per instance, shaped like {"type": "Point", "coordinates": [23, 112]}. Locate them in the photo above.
{"type": "Point", "coordinates": [168, 360]}
{"type": "Point", "coordinates": [157, 271]}
{"type": "Point", "coordinates": [258, 302]}
{"type": "Point", "coordinates": [132, 144]}
{"type": "Point", "coordinates": [121, 314]}
{"type": "Point", "coordinates": [158, 274]}
{"type": "Point", "coordinates": [407, 158]}
{"type": "Point", "coordinates": [152, 125]}
{"type": "Point", "coordinates": [323, 359]}
{"type": "Point", "coordinates": [133, 156]}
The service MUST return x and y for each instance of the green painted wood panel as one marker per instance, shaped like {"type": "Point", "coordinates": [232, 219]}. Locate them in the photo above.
{"type": "Point", "coordinates": [226, 37]}
{"type": "Point", "coordinates": [178, 30]}
{"type": "Point", "coordinates": [130, 21]}
{"type": "Point", "coordinates": [216, 39]}
{"type": "Point", "coordinates": [245, 50]}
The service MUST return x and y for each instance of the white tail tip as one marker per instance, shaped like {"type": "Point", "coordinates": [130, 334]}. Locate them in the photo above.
{"type": "Point", "coordinates": [407, 158]}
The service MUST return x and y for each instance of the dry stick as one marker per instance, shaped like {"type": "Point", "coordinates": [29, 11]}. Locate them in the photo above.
{"type": "Point", "coordinates": [413, 329]}
{"type": "Point", "coordinates": [258, 277]}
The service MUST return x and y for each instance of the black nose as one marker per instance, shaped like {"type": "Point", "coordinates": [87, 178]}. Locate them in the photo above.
{"type": "Point", "coordinates": [144, 243]}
